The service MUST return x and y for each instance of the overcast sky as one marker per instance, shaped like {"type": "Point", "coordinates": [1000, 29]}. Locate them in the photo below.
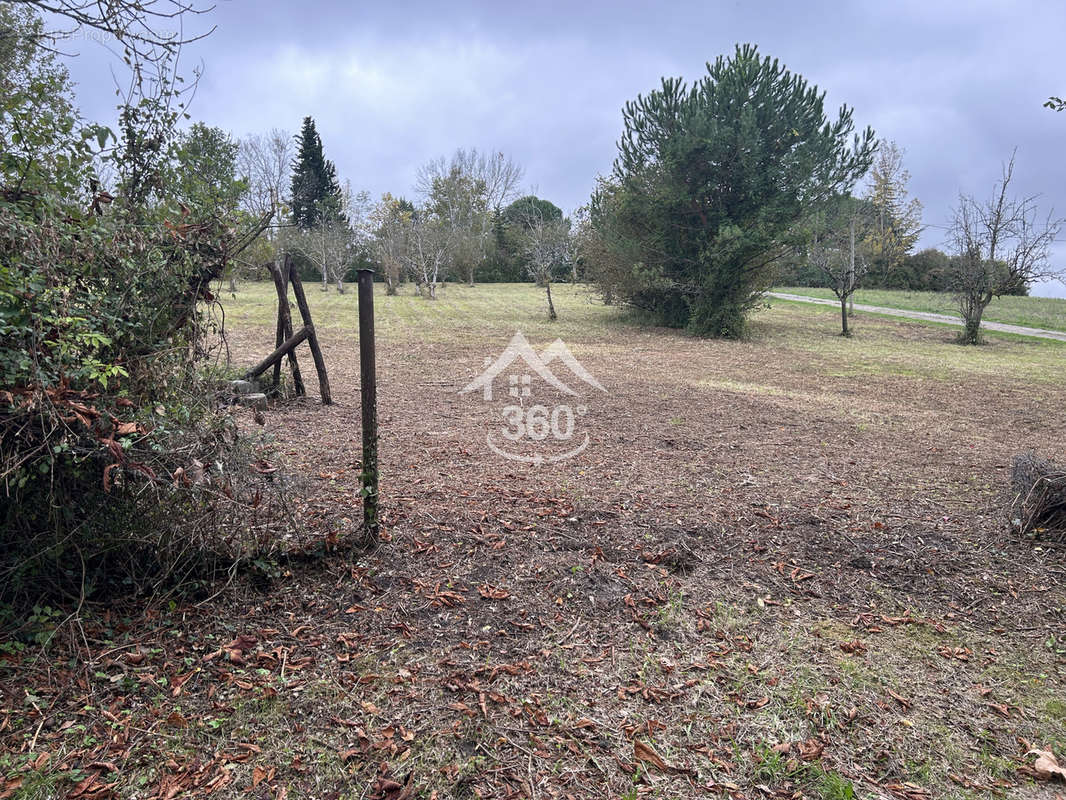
{"type": "Point", "coordinates": [958, 85]}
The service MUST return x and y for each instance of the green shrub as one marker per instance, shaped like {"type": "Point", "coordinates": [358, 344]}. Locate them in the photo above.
{"type": "Point", "coordinates": [104, 326]}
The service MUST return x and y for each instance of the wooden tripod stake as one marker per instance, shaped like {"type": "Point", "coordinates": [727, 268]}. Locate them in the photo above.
{"type": "Point", "coordinates": [286, 341]}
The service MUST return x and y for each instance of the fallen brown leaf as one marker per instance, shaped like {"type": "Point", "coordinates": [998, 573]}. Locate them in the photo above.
{"type": "Point", "coordinates": [236, 649]}
{"type": "Point", "coordinates": [490, 592]}
{"type": "Point", "coordinates": [810, 749]}
{"type": "Point", "coordinates": [1000, 708]}
{"type": "Point", "coordinates": [903, 701]}
{"type": "Point", "coordinates": [642, 752]}
{"type": "Point", "coordinates": [176, 720]}
{"type": "Point", "coordinates": [1046, 765]}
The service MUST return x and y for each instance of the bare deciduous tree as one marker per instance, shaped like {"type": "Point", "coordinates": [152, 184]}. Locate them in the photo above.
{"type": "Point", "coordinates": [464, 192]}
{"type": "Point", "coordinates": [334, 244]}
{"type": "Point", "coordinates": [265, 161]}
{"type": "Point", "coordinates": [837, 250]}
{"type": "Point", "coordinates": [549, 250]}
{"type": "Point", "coordinates": [327, 246]}
{"type": "Point", "coordinates": [357, 208]}
{"type": "Point", "coordinates": [1001, 247]}
{"type": "Point", "coordinates": [148, 29]}
{"type": "Point", "coordinates": [428, 251]}
{"type": "Point", "coordinates": [390, 224]}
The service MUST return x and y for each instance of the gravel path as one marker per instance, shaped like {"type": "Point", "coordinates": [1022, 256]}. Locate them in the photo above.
{"type": "Point", "coordinates": [948, 319]}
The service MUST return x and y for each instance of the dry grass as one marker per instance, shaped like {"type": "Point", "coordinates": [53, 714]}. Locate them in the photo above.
{"type": "Point", "coordinates": [794, 539]}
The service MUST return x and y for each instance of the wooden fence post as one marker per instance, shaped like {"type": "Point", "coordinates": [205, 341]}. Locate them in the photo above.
{"type": "Point", "coordinates": [368, 386]}
{"type": "Point", "coordinates": [284, 331]}
{"type": "Point", "coordinates": [285, 349]}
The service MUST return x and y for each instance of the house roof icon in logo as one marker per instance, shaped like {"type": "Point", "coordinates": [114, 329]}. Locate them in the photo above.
{"type": "Point", "coordinates": [519, 349]}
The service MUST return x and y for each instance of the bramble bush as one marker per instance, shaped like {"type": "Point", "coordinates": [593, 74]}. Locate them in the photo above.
{"type": "Point", "coordinates": [118, 469]}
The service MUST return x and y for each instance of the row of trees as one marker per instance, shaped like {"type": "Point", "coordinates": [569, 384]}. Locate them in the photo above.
{"type": "Point", "coordinates": [423, 243]}
{"type": "Point", "coordinates": [316, 218]}
{"type": "Point", "coordinates": [999, 246]}
{"type": "Point", "coordinates": [466, 222]}
{"type": "Point", "coordinates": [719, 190]}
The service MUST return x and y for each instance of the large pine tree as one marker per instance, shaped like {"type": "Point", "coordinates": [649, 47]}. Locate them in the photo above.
{"type": "Point", "coordinates": [316, 194]}
{"type": "Point", "coordinates": [710, 183]}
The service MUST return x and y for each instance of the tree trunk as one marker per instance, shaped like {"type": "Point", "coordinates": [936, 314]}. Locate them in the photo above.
{"type": "Point", "coordinates": [851, 277]}
{"type": "Point", "coordinates": [972, 312]}
{"type": "Point", "coordinates": [232, 284]}
{"type": "Point", "coordinates": [844, 317]}
{"type": "Point", "coordinates": [340, 285]}
{"type": "Point", "coordinates": [551, 306]}
{"type": "Point", "coordinates": [274, 269]}
{"type": "Point", "coordinates": [1039, 507]}
{"type": "Point", "coordinates": [971, 333]}
{"type": "Point", "coordinates": [432, 290]}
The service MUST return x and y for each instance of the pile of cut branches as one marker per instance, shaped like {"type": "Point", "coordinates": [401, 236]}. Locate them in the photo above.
{"type": "Point", "coordinates": [1039, 507]}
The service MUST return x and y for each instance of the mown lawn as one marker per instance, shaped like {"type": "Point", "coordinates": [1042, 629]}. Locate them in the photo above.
{"type": "Point", "coordinates": [1033, 312]}
{"type": "Point", "coordinates": [493, 312]}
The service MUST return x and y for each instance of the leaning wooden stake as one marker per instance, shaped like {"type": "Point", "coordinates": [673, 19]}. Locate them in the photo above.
{"type": "Point", "coordinates": [312, 338]}
{"type": "Point", "coordinates": [368, 383]}
{"type": "Point", "coordinates": [284, 331]}
{"type": "Point", "coordinates": [286, 349]}
{"type": "Point", "coordinates": [280, 334]}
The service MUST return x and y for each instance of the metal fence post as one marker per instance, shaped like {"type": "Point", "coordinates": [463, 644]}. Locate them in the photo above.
{"type": "Point", "coordinates": [368, 386]}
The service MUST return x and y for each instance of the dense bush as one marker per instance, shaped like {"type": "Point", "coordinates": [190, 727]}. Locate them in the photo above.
{"type": "Point", "coordinates": [111, 451]}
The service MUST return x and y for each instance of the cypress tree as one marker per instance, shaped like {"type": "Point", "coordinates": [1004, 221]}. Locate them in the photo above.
{"type": "Point", "coordinates": [316, 194]}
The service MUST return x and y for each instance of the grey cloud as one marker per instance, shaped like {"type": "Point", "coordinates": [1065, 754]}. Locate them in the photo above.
{"type": "Point", "coordinates": [957, 84]}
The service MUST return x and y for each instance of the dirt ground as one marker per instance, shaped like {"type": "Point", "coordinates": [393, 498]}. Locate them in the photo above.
{"type": "Point", "coordinates": [780, 568]}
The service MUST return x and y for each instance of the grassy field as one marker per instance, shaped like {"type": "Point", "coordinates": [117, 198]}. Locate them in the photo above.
{"type": "Point", "coordinates": [1033, 312]}
{"type": "Point", "coordinates": [780, 568]}
{"type": "Point", "coordinates": [493, 312]}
